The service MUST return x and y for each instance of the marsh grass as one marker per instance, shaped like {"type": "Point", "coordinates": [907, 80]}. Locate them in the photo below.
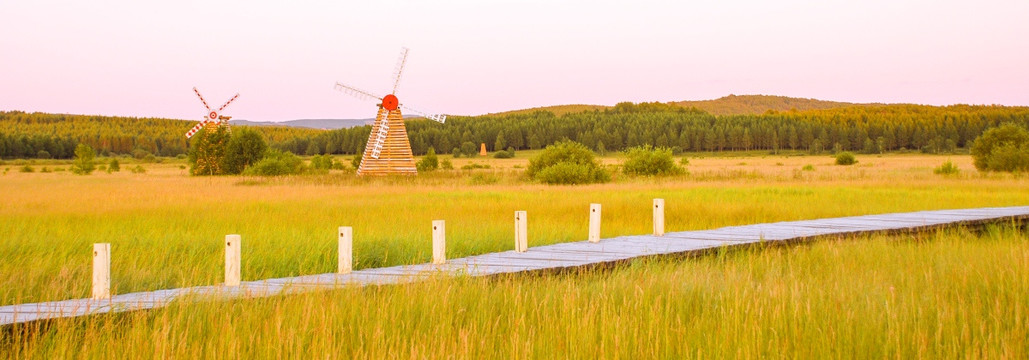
{"type": "Point", "coordinates": [949, 294]}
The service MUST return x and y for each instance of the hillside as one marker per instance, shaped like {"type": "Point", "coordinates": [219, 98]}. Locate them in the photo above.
{"type": "Point", "coordinates": [556, 109]}
{"type": "Point", "coordinates": [759, 104]}
{"type": "Point", "coordinates": [321, 124]}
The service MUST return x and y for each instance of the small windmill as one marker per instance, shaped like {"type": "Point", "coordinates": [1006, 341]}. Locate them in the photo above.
{"type": "Point", "coordinates": [388, 150]}
{"type": "Point", "coordinates": [213, 117]}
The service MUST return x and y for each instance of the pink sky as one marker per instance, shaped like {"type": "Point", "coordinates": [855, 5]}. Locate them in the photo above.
{"type": "Point", "coordinates": [142, 58]}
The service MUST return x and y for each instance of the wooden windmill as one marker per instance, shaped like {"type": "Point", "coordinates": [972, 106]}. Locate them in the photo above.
{"type": "Point", "coordinates": [213, 118]}
{"type": "Point", "coordinates": [388, 150]}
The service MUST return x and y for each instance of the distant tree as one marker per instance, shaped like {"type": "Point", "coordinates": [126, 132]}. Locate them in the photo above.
{"type": "Point", "coordinates": [113, 166]}
{"type": "Point", "coordinates": [428, 163]}
{"type": "Point", "coordinates": [1003, 148]}
{"type": "Point", "coordinates": [648, 160]}
{"type": "Point", "coordinates": [244, 148]}
{"type": "Point", "coordinates": [207, 152]}
{"type": "Point", "coordinates": [83, 164]}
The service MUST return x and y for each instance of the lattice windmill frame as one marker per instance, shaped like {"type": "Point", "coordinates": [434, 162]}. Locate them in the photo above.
{"type": "Point", "coordinates": [388, 150]}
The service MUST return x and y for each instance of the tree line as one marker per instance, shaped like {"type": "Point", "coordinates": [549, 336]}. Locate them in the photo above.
{"type": "Point", "coordinates": [869, 129]}
{"type": "Point", "coordinates": [28, 135]}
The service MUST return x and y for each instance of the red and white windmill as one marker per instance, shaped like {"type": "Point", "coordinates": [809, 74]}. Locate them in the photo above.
{"type": "Point", "coordinates": [212, 115]}
{"type": "Point", "coordinates": [388, 151]}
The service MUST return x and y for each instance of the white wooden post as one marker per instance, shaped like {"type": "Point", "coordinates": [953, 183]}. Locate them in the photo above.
{"type": "Point", "coordinates": [521, 232]}
{"type": "Point", "coordinates": [346, 250]}
{"type": "Point", "coordinates": [659, 217]}
{"type": "Point", "coordinates": [101, 271]}
{"type": "Point", "coordinates": [439, 242]}
{"type": "Point", "coordinates": [233, 244]}
{"type": "Point", "coordinates": [594, 223]}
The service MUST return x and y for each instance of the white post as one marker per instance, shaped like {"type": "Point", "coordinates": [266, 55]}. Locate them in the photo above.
{"type": "Point", "coordinates": [521, 232]}
{"type": "Point", "coordinates": [233, 244]}
{"type": "Point", "coordinates": [346, 250]}
{"type": "Point", "coordinates": [439, 242]}
{"type": "Point", "coordinates": [659, 217]}
{"type": "Point", "coordinates": [101, 271]}
{"type": "Point", "coordinates": [594, 223]}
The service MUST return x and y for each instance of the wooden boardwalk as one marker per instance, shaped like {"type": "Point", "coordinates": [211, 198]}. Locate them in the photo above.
{"type": "Point", "coordinates": [541, 258]}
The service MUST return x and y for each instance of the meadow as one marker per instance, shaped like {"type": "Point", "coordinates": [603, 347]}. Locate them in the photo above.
{"type": "Point", "coordinates": [950, 293]}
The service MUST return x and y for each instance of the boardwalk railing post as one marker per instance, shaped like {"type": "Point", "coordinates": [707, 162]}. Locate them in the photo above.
{"type": "Point", "coordinates": [594, 223]}
{"type": "Point", "coordinates": [659, 217]}
{"type": "Point", "coordinates": [233, 244]}
{"type": "Point", "coordinates": [346, 250]}
{"type": "Point", "coordinates": [521, 232]}
{"type": "Point", "coordinates": [101, 271]}
{"type": "Point", "coordinates": [439, 242]}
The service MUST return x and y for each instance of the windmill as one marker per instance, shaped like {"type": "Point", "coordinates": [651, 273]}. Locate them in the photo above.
{"type": "Point", "coordinates": [213, 117]}
{"type": "Point", "coordinates": [388, 150]}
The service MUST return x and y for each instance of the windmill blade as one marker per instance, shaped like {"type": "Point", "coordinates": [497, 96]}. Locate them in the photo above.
{"type": "Point", "coordinates": [191, 132]}
{"type": "Point", "coordinates": [228, 102]}
{"type": "Point", "coordinates": [399, 68]}
{"type": "Point", "coordinates": [201, 98]}
{"type": "Point", "coordinates": [441, 118]}
{"type": "Point", "coordinates": [355, 92]}
{"type": "Point", "coordinates": [380, 137]}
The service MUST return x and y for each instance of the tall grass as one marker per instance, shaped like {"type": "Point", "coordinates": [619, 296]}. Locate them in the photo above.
{"type": "Point", "coordinates": [166, 228]}
{"type": "Point", "coordinates": [951, 294]}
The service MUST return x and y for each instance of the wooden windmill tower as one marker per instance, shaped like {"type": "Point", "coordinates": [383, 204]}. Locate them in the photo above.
{"type": "Point", "coordinates": [213, 118]}
{"type": "Point", "coordinates": [388, 150]}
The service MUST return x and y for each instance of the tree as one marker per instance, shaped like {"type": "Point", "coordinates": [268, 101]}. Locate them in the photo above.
{"type": "Point", "coordinates": [501, 143]}
{"type": "Point", "coordinates": [244, 148]}
{"type": "Point", "coordinates": [428, 163]}
{"type": "Point", "coordinates": [1003, 148]}
{"type": "Point", "coordinates": [83, 160]}
{"type": "Point", "coordinates": [113, 166]}
{"type": "Point", "coordinates": [207, 151]}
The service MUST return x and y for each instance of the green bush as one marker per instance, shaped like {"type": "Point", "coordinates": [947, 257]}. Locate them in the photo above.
{"type": "Point", "coordinates": [504, 154]}
{"type": "Point", "coordinates": [83, 164]}
{"type": "Point", "coordinates": [44, 170]}
{"type": "Point", "coordinates": [446, 165]}
{"type": "Point", "coordinates": [647, 160]}
{"type": "Point", "coordinates": [567, 162]}
{"type": "Point", "coordinates": [356, 160]}
{"type": "Point", "coordinates": [947, 168]}
{"type": "Point", "coordinates": [321, 162]}
{"type": "Point", "coordinates": [468, 149]}
{"type": "Point", "coordinates": [26, 169]}
{"type": "Point", "coordinates": [277, 162]}
{"type": "Point", "coordinates": [138, 170]}
{"type": "Point", "coordinates": [428, 163]}
{"type": "Point", "coordinates": [808, 167]}
{"type": "Point", "coordinates": [1003, 148]}
{"type": "Point", "coordinates": [845, 158]}
{"type": "Point", "coordinates": [244, 148]}
{"type": "Point", "coordinates": [113, 166]}
{"type": "Point", "coordinates": [473, 166]}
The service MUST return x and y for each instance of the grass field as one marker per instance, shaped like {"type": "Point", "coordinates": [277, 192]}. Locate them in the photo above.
{"type": "Point", "coordinates": [953, 293]}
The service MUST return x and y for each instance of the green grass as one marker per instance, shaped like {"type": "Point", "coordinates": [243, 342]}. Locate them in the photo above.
{"type": "Point", "coordinates": [166, 230]}
{"type": "Point", "coordinates": [944, 295]}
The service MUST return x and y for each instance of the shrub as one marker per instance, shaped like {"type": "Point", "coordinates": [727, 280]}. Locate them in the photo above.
{"type": "Point", "coordinates": [356, 161]}
{"type": "Point", "coordinates": [321, 162]}
{"type": "Point", "coordinates": [1003, 148]}
{"type": "Point", "coordinates": [113, 166]}
{"type": "Point", "coordinates": [473, 166]}
{"type": "Point", "coordinates": [808, 167]}
{"type": "Point", "coordinates": [947, 168]}
{"type": "Point", "coordinates": [244, 148]}
{"type": "Point", "coordinates": [150, 158]}
{"type": "Point", "coordinates": [468, 149]}
{"type": "Point", "coordinates": [138, 169]}
{"type": "Point", "coordinates": [26, 169]}
{"type": "Point", "coordinates": [845, 158]}
{"type": "Point", "coordinates": [502, 154]}
{"type": "Point", "coordinates": [277, 162]}
{"type": "Point", "coordinates": [43, 154]}
{"type": "Point", "coordinates": [428, 163]}
{"type": "Point", "coordinates": [446, 165]}
{"type": "Point", "coordinates": [44, 170]}
{"type": "Point", "coordinates": [567, 162]}
{"type": "Point", "coordinates": [647, 160]}
{"type": "Point", "coordinates": [83, 164]}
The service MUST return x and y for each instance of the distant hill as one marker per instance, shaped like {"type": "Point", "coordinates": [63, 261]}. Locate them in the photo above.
{"type": "Point", "coordinates": [556, 109]}
{"type": "Point", "coordinates": [324, 124]}
{"type": "Point", "coordinates": [727, 105]}
{"type": "Point", "coordinates": [759, 104]}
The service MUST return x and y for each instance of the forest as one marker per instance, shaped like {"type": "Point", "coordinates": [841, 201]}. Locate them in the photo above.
{"type": "Point", "coordinates": [863, 128]}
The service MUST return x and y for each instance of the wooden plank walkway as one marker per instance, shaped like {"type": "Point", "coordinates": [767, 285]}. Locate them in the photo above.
{"type": "Point", "coordinates": [541, 258]}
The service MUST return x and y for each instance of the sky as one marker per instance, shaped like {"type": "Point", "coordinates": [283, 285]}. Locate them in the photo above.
{"type": "Point", "coordinates": [142, 58]}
